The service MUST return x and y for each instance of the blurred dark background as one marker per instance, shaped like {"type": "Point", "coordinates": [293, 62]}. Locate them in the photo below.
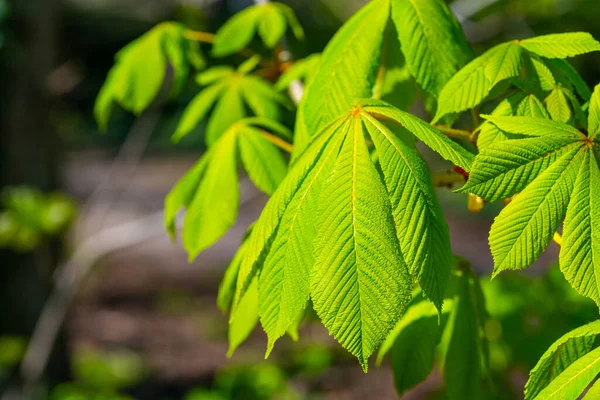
{"type": "Point", "coordinates": [144, 322]}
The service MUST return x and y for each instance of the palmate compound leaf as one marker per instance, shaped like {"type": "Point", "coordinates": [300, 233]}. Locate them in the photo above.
{"type": "Point", "coordinates": [270, 19]}
{"type": "Point", "coordinates": [564, 352]}
{"type": "Point", "coordinates": [228, 94]}
{"type": "Point", "coordinates": [140, 67]}
{"type": "Point", "coordinates": [331, 231]}
{"type": "Point", "coordinates": [557, 173]}
{"type": "Point", "coordinates": [472, 84]}
{"type": "Point", "coordinates": [209, 191]}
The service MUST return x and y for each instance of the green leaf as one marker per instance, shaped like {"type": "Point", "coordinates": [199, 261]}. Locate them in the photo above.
{"type": "Point", "coordinates": [544, 75]}
{"type": "Point", "coordinates": [197, 110]}
{"type": "Point", "coordinates": [525, 227]}
{"type": "Point", "coordinates": [564, 352]}
{"type": "Point", "coordinates": [214, 207]}
{"type": "Point", "coordinates": [228, 95]}
{"type": "Point", "coordinates": [284, 283]}
{"type": "Point", "coordinates": [432, 41]}
{"type": "Point", "coordinates": [394, 83]}
{"type": "Point", "coordinates": [530, 126]}
{"type": "Point", "coordinates": [263, 161]}
{"type": "Point", "coordinates": [426, 249]}
{"type": "Point", "coordinates": [561, 45]}
{"type": "Point", "coordinates": [466, 354]}
{"type": "Point", "coordinates": [236, 33]}
{"type": "Point", "coordinates": [244, 318]}
{"type": "Point", "coordinates": [531, 106]}
{"type": "Point", "coordinates": [266, 226]}
{"type": "Point", "coordinates": [567, 75]}
{"type": "Point", "coordinates": [558, 105]}
{"type": "Point", "coordinates": [137, 76]}
{"type": "Point", "coordinates": [228, 283]}
{"type": "Point", "coordinates": [594, 114]}
{"type": "Point", "coordinates": [270, 20]}
{"type": "Point", "coordinates": [213, 74]}
{"type": "Point", "coordinates": [301, 70]}
{"type": "Point", "coordinates": [363, 296]}
{"type": "Point", "coordinates": [580, 250]}
{"type": "Point", "coordinates": [271, 26]}
{"type": "Point", "coordinates": [209, 190]}
{"type": "Point", "coordinates": [507, 167]}
{"type": "Point", "coordinates": [346, 74]}
{"type": "Point", "coordinates": [469, 86]}
{"type": "Point", "coordinates": [183, 193]}
{"type": "Point", "coordinates": [416, 338]}
{"type": "Point", "coordinates": [570, 384]}
{"type": "Point", "coordinates": [433, 138]}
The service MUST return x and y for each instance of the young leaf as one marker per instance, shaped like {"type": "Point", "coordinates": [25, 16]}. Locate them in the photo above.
{"type": "Point", "coordinates": [301, 70]}
{"type": "Point", "coordinates": [530, 126]}
{"type": "Point", "coordinates": [228, 95]}
{"type": "Point", "coordinates": [214, 207]}
{"type": "Point", "coordinates": [432, 41]}
{"type": "Point", "coordinates": [183, 193]}
{"type": "Point", "coordinates": [360, 285]}
{"type": "Point", "coordinates": [580, 250]}
{"type": "Point", "coordinates": [209, 191]}
{"type": "Point", "coordinates": [227, 285]}
{"type": "Point", "coordinates": [525, 227]}
{"type": "Point", "coordinates": [564, 352]}
{"type": "Point", "coordinates": [558, 105]}
{"type": "Point", "coordinates": [561, 45]}
{"type": "Point", "coordinates": [270, 19]}
{"type": "Point", "coordinates": [570, 384]}
{"type": "Point", "coordinates": [473, 83]}
{"type": "Point", "coordinates": [264, 163]}
{"type": "Point", "coordinates": [568, 76]}
{"type": "Point", "coordinates": [140, 67]}
{"type": "Point", "coordinates": [244, 318]}
{"type": "Point", "coordinates": [347, 72]}
{"type": "Point", "coordinates": [420, 224]}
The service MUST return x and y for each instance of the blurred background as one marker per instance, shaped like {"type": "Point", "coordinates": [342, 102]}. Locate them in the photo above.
{"type": "Point", "coordinates": [83, 251]}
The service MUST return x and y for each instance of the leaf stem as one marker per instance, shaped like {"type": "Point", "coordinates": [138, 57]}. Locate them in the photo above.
{"type": "Point", "coordinates": [454, 133]}
{"type": "Point", "coordinates": [277, 141]}
{"type": "Point", "coordinates": [205, 37]}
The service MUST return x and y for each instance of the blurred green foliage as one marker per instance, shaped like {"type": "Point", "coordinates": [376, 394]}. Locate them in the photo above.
{"type": "Point", "coordinates": [29, 216]}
